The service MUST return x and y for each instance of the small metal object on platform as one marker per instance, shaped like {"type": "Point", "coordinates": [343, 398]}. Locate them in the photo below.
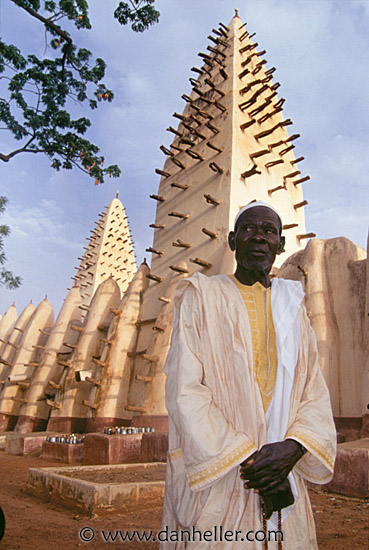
{"type": "Point", "coordinates": [121, 430]}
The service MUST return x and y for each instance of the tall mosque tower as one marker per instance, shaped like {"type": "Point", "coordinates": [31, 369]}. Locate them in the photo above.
{"type": "Point", "coordinates": [231, 146]}
{"type": "Point", "coordinates": [37, 356]}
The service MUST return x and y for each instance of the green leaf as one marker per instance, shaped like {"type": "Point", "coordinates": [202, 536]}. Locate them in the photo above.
{"type": "Point", "coordinates": [140, 18]}
{"type": "Point", "coordinates": [7, 278]}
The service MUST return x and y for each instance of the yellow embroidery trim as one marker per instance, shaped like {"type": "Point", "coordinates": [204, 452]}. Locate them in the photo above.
{"type": "Point", "coordinates": [257, 300]}
{"type": "Point", "coordinates": [177, 453]}
{"type": "Point", "coordinates": [225, 464]}
{"type": "Point", "coordinates": [310, 442]}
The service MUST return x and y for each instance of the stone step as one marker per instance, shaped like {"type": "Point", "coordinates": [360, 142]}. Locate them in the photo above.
{"type": "Point", "coordinates": [25, 443]}
{"type": "Point", "coordinates": [351, 470]}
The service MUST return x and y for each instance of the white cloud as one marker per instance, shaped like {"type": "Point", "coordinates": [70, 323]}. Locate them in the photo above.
{"type": "Point", "coordinates": [42, 223]}
{"type": "Point", "coordinates": [347, 158]}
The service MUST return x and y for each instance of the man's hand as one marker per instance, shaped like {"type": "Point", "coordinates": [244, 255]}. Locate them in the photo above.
{"type": "Point", "coordinates": [266, 469]}
{"type": "Point", "coordinates": [275, 500]}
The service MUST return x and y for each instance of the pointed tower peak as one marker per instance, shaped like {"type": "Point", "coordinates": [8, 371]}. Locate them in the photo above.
{"type": "Point", "coordinates": [231, 146]}
{"type": "Point", "coordinates": [109, 253]}
{"type": "Point", "coordinates": [236, 25]}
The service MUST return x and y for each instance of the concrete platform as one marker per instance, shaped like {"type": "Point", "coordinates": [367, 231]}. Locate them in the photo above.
{"type": "Point", "coordinates": [100, 490]}
{"type": "Point", "coordinates": [19, 444]}
{"type": "Point", "coordinates": [351, 470]}
{"type": "Point", "coordinates": [154, 447]}
{"type": "Point", "coordinates": [111, 449]}
{"type": "Point", "coordinates": [62, 452]}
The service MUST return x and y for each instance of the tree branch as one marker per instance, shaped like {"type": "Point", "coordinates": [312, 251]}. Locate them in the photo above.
{"type": "Point", "coordinates": [133, 5]}
{"type": "Point", "coordinates": [67, 49]}
{"type": "Point", "coordinates": [47, 22]}
{"type": "Point", "coordinates": [23, 149]}
{"type": "Point", "coordinates": [58, 30]}
{"type": "Point", "coordinates": [73, 161]}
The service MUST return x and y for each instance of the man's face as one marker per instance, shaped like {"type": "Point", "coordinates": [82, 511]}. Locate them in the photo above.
{"type": "Point", "coordinates": [257, 239]}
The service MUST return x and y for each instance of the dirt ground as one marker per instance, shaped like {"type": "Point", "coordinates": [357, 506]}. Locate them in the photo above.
{"type": "Point", "coordinates": [341, 522]}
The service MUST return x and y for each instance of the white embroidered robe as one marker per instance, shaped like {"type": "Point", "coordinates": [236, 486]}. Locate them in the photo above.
{"type": "Point", "coordinates": [216, 416]}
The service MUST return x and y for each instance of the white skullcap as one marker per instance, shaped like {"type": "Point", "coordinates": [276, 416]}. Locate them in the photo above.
{"type": "Point", "coordinates": [252, 205]}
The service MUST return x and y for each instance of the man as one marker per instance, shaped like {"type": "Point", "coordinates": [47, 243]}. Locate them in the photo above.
{"type": "Point", "coordinates": [249, 411]}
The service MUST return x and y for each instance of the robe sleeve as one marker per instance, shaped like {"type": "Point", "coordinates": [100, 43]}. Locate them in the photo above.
{"type": "Point", "coordinates": [209, 445]}
{"type": "Point", "coordinates": [313, 425]}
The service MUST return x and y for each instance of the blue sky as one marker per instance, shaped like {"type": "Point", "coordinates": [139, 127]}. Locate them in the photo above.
{"type": "Point", "coordinates": [320, 49]}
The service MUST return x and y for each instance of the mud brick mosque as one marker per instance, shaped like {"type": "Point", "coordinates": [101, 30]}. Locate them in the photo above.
{"type": "Point", "coordinates": [99, 364]}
